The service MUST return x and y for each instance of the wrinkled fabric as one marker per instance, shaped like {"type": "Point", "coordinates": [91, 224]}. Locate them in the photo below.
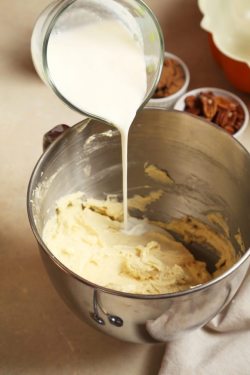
{"type": "Point", "coordinates": [221, 347]}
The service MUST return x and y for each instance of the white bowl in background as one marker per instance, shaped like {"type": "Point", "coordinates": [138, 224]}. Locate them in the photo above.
{"type": "Point", "coordinates": [168, 101]}
{"type": "Point", "coordinates": [180, 104]}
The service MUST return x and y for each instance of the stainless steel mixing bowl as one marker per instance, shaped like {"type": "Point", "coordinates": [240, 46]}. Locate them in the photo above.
{"type": "Point", "coordinates": [211, 171]}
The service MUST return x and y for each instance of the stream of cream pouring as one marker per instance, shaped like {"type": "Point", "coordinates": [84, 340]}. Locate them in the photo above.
{"type": "Point", "coordinates": [100, 68]}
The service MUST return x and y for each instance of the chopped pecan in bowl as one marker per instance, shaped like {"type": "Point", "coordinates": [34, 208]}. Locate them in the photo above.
{"type": "Point", "coordinates": [173, 82]}
{"type": "Point", "coordinates": [172, 78]}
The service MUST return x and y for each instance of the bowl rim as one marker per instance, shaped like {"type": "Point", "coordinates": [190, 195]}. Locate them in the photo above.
{"type": "Point", "coordinates": [216, 90]}
{"type": "Point", "coordinates": [183, 88]}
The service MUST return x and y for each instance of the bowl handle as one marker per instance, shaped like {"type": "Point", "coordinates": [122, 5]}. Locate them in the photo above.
{"type": "Point", "coordinates": [113, 319]}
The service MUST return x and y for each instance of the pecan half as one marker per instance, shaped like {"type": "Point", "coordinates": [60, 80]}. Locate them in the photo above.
{"type": "Point", "coordinates": [225, 117]}
{"type": "Point", "coordinates": [209, 105]}
{"type": "Point", "coordinates": [193, 105]}
{"type": "Point", "coordinates": [224, 103]}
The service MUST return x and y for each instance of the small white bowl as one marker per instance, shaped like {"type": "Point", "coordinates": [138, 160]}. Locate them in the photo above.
{"type": "Point", "coordinates": [168, 101]}
{"type": "Point", "coordinates": [180, 104]}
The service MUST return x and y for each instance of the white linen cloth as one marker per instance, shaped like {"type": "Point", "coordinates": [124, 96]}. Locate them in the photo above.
{"type": "Point", "coordinates": [222, 347]}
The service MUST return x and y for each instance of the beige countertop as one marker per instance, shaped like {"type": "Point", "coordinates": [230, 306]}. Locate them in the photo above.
{"type": "Point", "coordinates": [38, 333]}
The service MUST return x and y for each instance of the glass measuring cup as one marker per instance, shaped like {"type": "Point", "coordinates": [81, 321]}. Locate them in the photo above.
{"type": "Point", "coordinates": [66, 14]}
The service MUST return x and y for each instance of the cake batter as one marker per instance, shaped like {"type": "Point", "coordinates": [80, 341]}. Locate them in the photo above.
{"type": "Point", "coordinates": [87, 236]}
